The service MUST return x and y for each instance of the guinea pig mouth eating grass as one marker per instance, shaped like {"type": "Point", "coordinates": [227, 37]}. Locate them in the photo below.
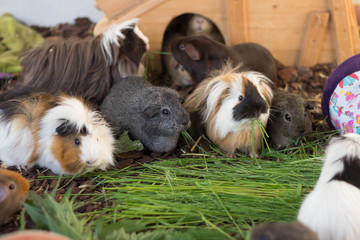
{"type": "Point", "coordinates": [228, 105]}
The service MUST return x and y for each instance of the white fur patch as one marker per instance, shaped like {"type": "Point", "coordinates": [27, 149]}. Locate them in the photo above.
{"type": "Point", "coordinates": [138, 32]}
{"type": "Point", "coordinates": [16, 144]}
{"type": "Point", "coordinates": [111, 35]}
{"type": "Point", "coordinates": [332, 209]}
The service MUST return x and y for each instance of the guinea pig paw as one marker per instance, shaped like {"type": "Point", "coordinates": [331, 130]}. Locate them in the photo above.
{"type": "Point", "coordinates": [252, 155]}
{"type": "Point", "coordinates": [21, 168]}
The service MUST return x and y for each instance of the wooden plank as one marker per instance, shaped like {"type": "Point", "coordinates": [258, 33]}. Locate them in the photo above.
{"type": "Point", "coordinates": [238, 21]}
{"type": "Point", "coordinates": [345, 45]}
{"type": "Point", "coordinates": [313, 40]}
{"type": "Point", "coordinates": [353, 25]}
{"type": "Point", "coordinates": [126, 9]}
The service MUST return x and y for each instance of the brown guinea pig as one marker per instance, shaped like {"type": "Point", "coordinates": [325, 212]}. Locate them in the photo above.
{"type": "Point", "coordinates": [290, 118]}
{"type": "Point", "coordinates": [61, 133]}
{"type": "Point", "coordinates": [187, 24]}
{"type": "Point", "coordinates": [13, 192]}
{"type": "Point", "coordinates": [282, 231]}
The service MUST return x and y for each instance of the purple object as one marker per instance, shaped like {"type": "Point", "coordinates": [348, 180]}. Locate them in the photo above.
{"type": "Point", "coordinates": [6, 75]}
{"type": "Point", "coordinates": [346, 68]}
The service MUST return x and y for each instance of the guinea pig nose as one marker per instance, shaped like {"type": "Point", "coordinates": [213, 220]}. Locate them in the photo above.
{"type": "Point", "coordinates": [302, 132]}
{"type": "Point", "coordinates": [91, 161]}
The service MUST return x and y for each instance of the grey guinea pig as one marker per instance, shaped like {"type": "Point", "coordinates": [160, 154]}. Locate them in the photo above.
{"type": "Point", "coordinates": [282, 231]}
{"type": "Point", "coordinates": [153, 115]}
{"type": "Point", "coordinates": [289, 118]}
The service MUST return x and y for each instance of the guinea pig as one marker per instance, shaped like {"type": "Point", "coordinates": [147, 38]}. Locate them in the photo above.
{"type": "Point", "coordinates": [332, 209]}
{"type": "Point", "coordinates": [187, 24]}
{"type": "Point", "coordinates": [61, 133]}
{"type": "Point", "coordinates": [14, 189]}
{"type": "Point", "coordinates": [227, 104]}
{"type": "Point", "coordinates": [282, 231]}
{"type": "Point", "coordinates": [200, 55]}
{"type": "Point", "coordinates": [289, 118]}
{"type": "Point", "coordinates": [86, 67]}
{"type": "Point", "coordinates": [200, 25]}
{"type": "Point", "coordinates": [153, 115]}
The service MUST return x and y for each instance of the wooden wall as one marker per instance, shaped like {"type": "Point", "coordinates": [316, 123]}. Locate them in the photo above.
{"type": "Point", "coordinates": [296, 32]}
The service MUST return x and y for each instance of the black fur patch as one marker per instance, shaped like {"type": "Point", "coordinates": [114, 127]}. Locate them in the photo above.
{"type": "Point", "coordinates": [67, 128]}
{"type": "Point", "coordinates": [251, 106]}
{"type": "Point", "coordinates": [351, 172]}
{"type": "Point", "coordinates": [10, 100]}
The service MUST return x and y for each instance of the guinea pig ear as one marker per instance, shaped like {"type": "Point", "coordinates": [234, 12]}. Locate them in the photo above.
{"type": "Point", "coordinates": [151, 110]}
{"type": "Point", "coordinates": [190, 50]}
{"type": "Point", "coordinates": [65, 128]}
{"type": "Point", "coordinates": [151, 104]}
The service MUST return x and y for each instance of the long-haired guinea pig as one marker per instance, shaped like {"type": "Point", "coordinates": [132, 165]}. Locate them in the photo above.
{"type": "Point", "coordinates": [290, 118]}
{"type": "Point", "coordinates": [61, 133]}
{"type": "Point", "coordinates": [86, 67]}
{"type": "Point", "coordinates": [332, 209]}
{"type": "Point", "coordinates": [153, 115]}
{"type": "Point", "coordinates": [227, 104]}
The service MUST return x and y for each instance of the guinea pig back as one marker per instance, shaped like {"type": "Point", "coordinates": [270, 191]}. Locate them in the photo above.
{"type": "Point", "coordinates": [153, 115]}
{"type": "Point", "coordinates": [228, 104]}
{"type": "Point", "coordinates": [61, 133]}
{"type": "Point", "coordinates": [86, 67]}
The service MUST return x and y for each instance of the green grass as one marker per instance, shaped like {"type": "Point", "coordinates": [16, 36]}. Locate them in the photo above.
{"type": "Point", "coordinates": [207, 197]}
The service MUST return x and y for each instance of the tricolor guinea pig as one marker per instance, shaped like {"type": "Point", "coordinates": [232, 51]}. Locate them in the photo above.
{"type": "Point", "coordinates": [227, 104]}
{"type": "Point", "coordinates": [332, 209]}
{"type": "Point", "coordinates": [61, 133]}
{"type": "Point", "coordinates": [14, 189]}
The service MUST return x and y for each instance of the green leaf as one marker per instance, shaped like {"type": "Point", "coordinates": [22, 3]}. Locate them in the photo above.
{"type": "Point", "coordinates": [125, 144]}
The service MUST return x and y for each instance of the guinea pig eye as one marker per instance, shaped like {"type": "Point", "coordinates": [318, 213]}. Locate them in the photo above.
{"type": "Point", "coordinates": [182, 46]}
{"type": "Point", "coordinates": [165, 111]}
{"type": "Point", "coordinates": [11, 186]}
{"type": "Point", "coordinates": [241, 98]}
{"type": "Point", "coordinates": [287, 117]}
{"type": "Point", "coordinates": [307, 107]}
{"type": "Point", "coordinates": [77, 142]}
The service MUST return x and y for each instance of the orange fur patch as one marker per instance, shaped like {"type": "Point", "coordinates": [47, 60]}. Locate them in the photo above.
{"type": "Point", "coordinates": [64, 150]}
{"type": "Point", "coordinates": [240, 140]}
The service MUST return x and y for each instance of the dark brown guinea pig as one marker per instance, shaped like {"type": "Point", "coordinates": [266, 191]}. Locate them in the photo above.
{"type": "Point", "coordinates": [188, 24]}
{"type": "Point", "coordinates": [282, 231]}
{"type": "Point", "coordinates": [289, 118]}
{"type": "Point", "coordinates": [200, 55]}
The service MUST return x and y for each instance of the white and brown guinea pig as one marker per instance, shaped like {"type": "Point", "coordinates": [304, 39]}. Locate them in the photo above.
{"type": "Point", "coordinates": [227, 104]}
{"type": "Point", "coordinates": [61, 133]}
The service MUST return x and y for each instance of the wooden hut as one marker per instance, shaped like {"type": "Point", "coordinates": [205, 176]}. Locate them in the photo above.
{"type": "Point", "coordinates": [303, 32]}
